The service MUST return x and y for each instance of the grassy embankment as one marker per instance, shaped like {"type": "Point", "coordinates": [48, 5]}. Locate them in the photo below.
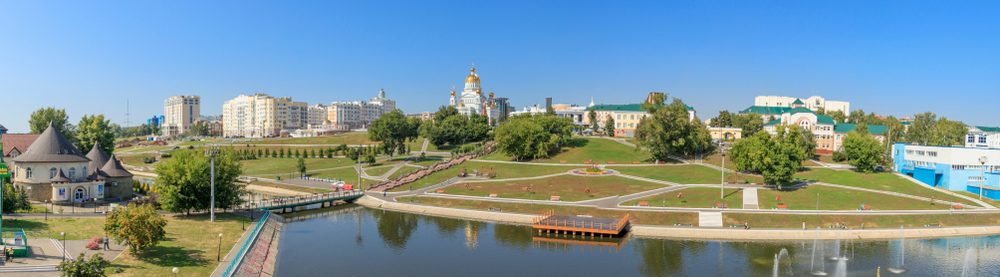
{"type": "Point", "coordinates": [503, 171]}
{"type": "Point", "coordinates": [681, 174]}
{"type": "Point", "coordinates": [832, 198]}
{"type": "Point", "coordinates": [637, 217]}
{"type": "Point", "coordinates": [580, 149]}
{"type": "Point", "coordinates": [568, 187]}
{"type": "Point", "coordinates": [693, 198]}
{"type": "Point", "coordinates": [876, 181]}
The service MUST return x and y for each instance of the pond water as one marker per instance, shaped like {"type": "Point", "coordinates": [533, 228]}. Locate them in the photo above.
{"type": "Point", "coordinates": [351, 240]}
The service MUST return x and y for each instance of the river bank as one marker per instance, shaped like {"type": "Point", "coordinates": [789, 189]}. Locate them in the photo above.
{"type": "Point", "coordinates": [704, 233]}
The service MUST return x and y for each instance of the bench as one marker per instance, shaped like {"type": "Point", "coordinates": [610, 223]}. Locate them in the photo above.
{"type": "Point", "coordinates": [635, 162]}
{"type": "Point", "coordinates": [683, 224]}
{"type": "Point", "coordinates": [562, 162]}
{"type": "Point", "coordinates": [494, 195]}
{"type": "Point", "coordinates": [587, 162]}
{"type": "Point", "coordinates": [644, 203]}
{"type": "Point", "coordinates": [661, 162]}
{"type": "Point", "coordinates": [781, 207]}
{"type": "Point", "coordinates": [932, 225]}
{"type": "Point", "coordinates": [865, 208]}
{"type": "Point", "coordinates": [721, 206]}
{"type": "Point", "coordinates": [957, 207]}
{"type": "Point", "coordinates": [554, 198]}
{"type": "Point", "coordinates": [440, 191]}
{"type": "Point", "coordinates": [611, 162]}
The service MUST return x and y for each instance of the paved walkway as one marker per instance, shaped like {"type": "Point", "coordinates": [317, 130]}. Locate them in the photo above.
{"type": "Point", "coordinates": [710, 219]}
{"type": "Point", "coordinates": [221, 268]}
{"type": "Point", "coordinates": [750, 199]}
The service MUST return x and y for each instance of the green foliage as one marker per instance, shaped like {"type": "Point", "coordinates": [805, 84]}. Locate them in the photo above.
{"type": "Point", "coordinates": [609, 126]}
{"type": "Point", "coordinates": [40, 119]}
{"type": "Point", "coordinates": [445, 112]}
{"type": "Point", "coordinates": [776, 158]}
{"type": "Point", "coordinates": [301, 165]}
{"type": "Point", "coordinates": [927, 129]}
{"type": "Point", "coordinates": [669, 131]}
{"type": "Point", "coordinates": [521, 137]}
{"type": "Point", "coordinates": [750, 123]}
{"type": "Point", "coordinates": [592, 116]}
{"type": "Point", "coordinates": [393, 130]}
{"type": "Point", "coordinates": [184, 182]}
{"type": "Point", "coordinates": [81, 267]}
{"type": "Point", "coordinates": [353, 153]}
{"type": "Point", "coordinates": [198, 129]}
{"type": "Point", "coordinates": [839, 156]}
{"type": "Point", "coordinates": [95, 128]}
{"type": "Point", "coordinates": [13, 199]}
{"type": "Point", "coordinates": [370, 159]}
{"type": "Point", "coordinates": [138, 226]}
{"type": "Point", "coordinates": [456, 129]}
{"type": "Point", "coordinates": [725, 119]}
{"type": "Point", "coordinates": [863, 150]}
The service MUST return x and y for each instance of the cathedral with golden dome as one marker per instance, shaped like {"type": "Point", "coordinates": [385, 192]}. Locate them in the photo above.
{"type": "Point", "coordinates": [472, 100]}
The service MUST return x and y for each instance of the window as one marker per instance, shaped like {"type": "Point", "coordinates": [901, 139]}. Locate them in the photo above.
{"type": "Point", "coordinates": [932, 153]}
{"type": "Point", "coordinates": [975, 178]}
{"type": "Point", "coordinates": [958, 167]}
{"type": "Point", "coordinates": [974, 167]}
{"type": "Point", "coordinates": [982, 139]}
{"type": "Point", "coordinates": [27, 173]}
{"type": "Point", "coordinates": [72, 171]}
{"type": "Point", "coordinates": [972, 139]}
{"type": "Point", "coordinates": [52, 172]}
{"type": "Point", "coordinates": [897, 152]}
{"type": "Point", "coordinates": [909, 152]}
{"type": "Point", "coordinates": [920, 153]}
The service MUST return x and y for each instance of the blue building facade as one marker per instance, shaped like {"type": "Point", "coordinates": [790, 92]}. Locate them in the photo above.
{"type": "Point", "coordinates": [952, 168]}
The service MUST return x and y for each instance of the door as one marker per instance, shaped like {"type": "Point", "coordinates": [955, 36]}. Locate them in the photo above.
{"type": "Point", "coordinates": [78, 195]}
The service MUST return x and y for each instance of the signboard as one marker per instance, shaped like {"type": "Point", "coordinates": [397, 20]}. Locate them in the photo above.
{"type": "Point", "coordinates": [62, 193]}
{"type": "Point", "coordinates": [4, 173]}
{"type": "Point", "coordinates": [100, 191]}
{"type": "Point", "coordinates": [18, 238]}
{"type": "Point", "coordinates": [348, 187]}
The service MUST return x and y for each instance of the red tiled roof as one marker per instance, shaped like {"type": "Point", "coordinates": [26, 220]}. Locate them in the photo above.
{"type": "Point", "coordinates": [19, 141]}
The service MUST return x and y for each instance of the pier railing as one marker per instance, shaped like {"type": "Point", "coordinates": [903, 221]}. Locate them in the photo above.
{"type": "Point", "coordinates": [300, 199]}
{"type": "Point", "coordinates": [243, 249]}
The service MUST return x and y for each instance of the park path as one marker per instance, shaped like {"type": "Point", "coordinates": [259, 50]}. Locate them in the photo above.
{"type": "Point", "coordinates": [980, 202]}
{"type": "Point", "coordinates": [710, 219]}
{"type": "Point", "coordinates": [426, 142]}
{"type": "Point", "coordinates": [750, 198]}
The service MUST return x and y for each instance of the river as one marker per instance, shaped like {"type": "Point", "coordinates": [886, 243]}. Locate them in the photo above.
{"type": "Point", "coordinates": [352, 240]}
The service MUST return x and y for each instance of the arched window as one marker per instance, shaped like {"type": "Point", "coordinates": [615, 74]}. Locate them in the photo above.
{"type": "Point", "coordinates": [27, 173]}
{"type": "Point", "coordinates": [52, 172]}
{"type": "Point", "coordinates": [72, 171]}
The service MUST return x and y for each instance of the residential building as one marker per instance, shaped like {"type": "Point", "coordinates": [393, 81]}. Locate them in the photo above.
{"type": "Point", "coordinates": [53, 169]}
{"type": "Point", "coordinates": [317, 114]}
{"type": "Point", "coordinates": [15, 145]}
{"type": "Point", "coordinates": [724, 133]}
{"type": "Point", "coordinates": [951, 168]}
{"type": "Point", "coordinates": [213, 123]}
{"type": "Point", "coordinates": [983, 137]}
{"type": "Point", "coordinates": [822, 126]}
{"type": "Point", "coordinates": [179, 113]}
{"type": "Point", "coordinates": [260, 115]}
{"type": "Point", "coordinates": [572, 111]}
{"type": "Point", "coordinates": [813, 103]}
{"type": "Point", "coordinates": [3, 130]}
{"type": "Point", "coordinates": [841, 129]}
{"type": "Point", "coordinates": [472, 100]}
{"type": "Point", "coordinates": [626, 117]}
{"type": "Point", "coordinates": [424, 116]}
{"type": "Point", "coordinates": [349, 115]}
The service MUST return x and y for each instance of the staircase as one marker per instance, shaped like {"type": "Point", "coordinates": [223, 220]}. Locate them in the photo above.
{"type": "Point", "coordinates": [27, 268]}
{"type": "Point", "coordinates": [710, 219]}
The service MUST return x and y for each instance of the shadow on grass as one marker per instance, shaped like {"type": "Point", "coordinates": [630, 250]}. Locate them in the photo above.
{"type": "Point", "coordinates": [172, 256]}
{"type": "Point", "coordinates": [731, 193]}
{"type": "Point", "coordinates": [25, 224]}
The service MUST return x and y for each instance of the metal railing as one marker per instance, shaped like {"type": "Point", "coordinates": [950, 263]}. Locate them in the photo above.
{"type": "Point", "coordinates": [243, 249]}
{"type": "Point", "coordinates": [301, 199]}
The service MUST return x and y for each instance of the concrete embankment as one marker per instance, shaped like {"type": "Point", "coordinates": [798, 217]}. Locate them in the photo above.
{"type": "Point", "coordinates": [671, 232]}
{"type": "Point", "coordinates": [510, 218]}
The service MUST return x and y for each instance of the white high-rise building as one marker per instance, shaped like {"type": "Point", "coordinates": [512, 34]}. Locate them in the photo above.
{"type": "Point", "coordinates": [179, 114]}
{"type": "Point", "coordinates": [317, 114]}
{"type": "Point", "coordinates": [260, 115]}
{"type": "Point", "coordinates": [347, 115]}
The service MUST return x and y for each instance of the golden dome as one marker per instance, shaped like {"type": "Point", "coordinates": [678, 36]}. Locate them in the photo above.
{"type": "Point", "coordinates": [479, 91]}
{"type": "Point", "coordinates": [473, 78]}
{"type": "Point", "coordinates": [452, 92]}
{"type": "Point", "coordinates": [491, 92]}
{"type": "Point", "coordinates": [461, 104]}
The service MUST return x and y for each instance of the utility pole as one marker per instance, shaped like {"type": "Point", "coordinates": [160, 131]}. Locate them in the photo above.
{"type": "Point", "coordinates": [982, 180]}
{"type": "Point", "coordinates": [211, 153]}
{"type": "Point", "coordinates": [722, 184]}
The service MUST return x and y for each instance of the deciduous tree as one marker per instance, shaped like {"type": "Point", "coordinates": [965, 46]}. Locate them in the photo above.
{"type": "Point", "coordinates": [184, 181]}
{"type": "Point", "coordinates": [40, 119]}
{"type": "Point", "coordinates": [95, 128]}
{"type": "Point", "coordinates": [138, 226]}
{"type": "Point", "coordinates": [393, 130]}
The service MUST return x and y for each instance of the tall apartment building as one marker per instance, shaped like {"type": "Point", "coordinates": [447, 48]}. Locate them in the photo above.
{"type": "Point", "coordinates": [317, 114]}
{"type": "Point", "coordinates": [260, 115]}
{"type": "Point", "coordinates": [179, 113]}
{"type": "Point", "coordinates": [347, 115]}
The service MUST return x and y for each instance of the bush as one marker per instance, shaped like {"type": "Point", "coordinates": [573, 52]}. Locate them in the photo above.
{"type": "Point", "coordinates": [165, 155]}
{"type": "Point", "coordinates": [839, 156]}
{"type": "Point", "coordinates": [94, 244]}
{"type": "Point", "coordinates": [81, 267]}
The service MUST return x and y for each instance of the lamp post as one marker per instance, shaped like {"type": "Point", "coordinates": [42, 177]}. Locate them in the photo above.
{"type": "Point", "coordinates": [722, 183]}
{"type": "Point", "coordinates": [982, 180]}
{"type": "Point", "coordinates": [46, 209]}
{"type": "Point", "coordinates": [175, 271]}
{"type": "Point", "coordinates": [211, 153]}
{"type": "Point", "coordinates": [64, 246]}
{"type": "Point", "coordinates": [218, 257]}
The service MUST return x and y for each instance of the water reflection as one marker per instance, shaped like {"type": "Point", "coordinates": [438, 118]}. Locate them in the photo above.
{"type": "Point", "coordinates": [355, 241]}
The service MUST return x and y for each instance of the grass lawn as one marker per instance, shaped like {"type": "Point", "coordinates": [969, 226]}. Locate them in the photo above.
{"type": "Point", "coordinates": [976, 196]}
{"type": "Point", "coordinates": [427, 161]}
{"type": "Point", "coordinates": [713, 158]}
{"type": "Point", "coordinates": [879, 181]}
{"type": "Point", "coordinates": [136, 160]}
{"type": "Point", "coordinates": [401, 171]}
{"type": "Point", "coordinates": [694, 198]}
{"type": "Point", "coordinates": [348, 175]}
{"type": "Point", "coordinates": [290, 187]}
{"type": "Point", "coordinates": [448, 147]}
{"type": "Point", "coordinates": [832, 198]}
{"type": "Point", "coordinates": [75, 228]}
{"type": "Point", "coordinates": [829, 159]}
{"type": "Point", "coordinates": [583, 149]}
{"type": "Point", "coordinates": [267, 167]}
{"type": "Point", "coordinates": [189, 245]}
{"type": "Point", "coordinates": [569, 187]}
{"type": "Point", "coordinates": [809, 162]}
{"type": "Point", "coordinates": [681, 174]}
{"type": "Point", "coordinates": [855, 221]}
{"type": "Point", "coordinates": [375, 172]}
{"type": "Point", "coordinates": [416, 144]}
{"type": "Point", "coordinates": [503, 171]}
{"type": "Point", "coordinates": [349, 139]}
{"type": "Point", "coordinates": [637, 217]}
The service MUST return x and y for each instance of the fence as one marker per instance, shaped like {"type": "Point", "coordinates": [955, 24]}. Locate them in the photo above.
{"type": "Point", "coordinates": [253, 236]}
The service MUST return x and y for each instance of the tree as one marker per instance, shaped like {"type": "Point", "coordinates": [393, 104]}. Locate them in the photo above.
{"type": "Point", "coordinates": [95, 128]}
{"type": "Point", "coordinates": [592, 116]}
{"type": "Point", "coordinates": [837, 115]}
{"type": "Point", "coordinates": [352, 153]}
{"type": "Point", "coordinates": [40, 119]}
{"type": "Point", "coordinates": [457, 129]}
{"type": "Point", "coordinates": [370, 159]}
{"type": "Point", "coordinates": [301, 165]}
{"type": "Point", "coordinates": [297, 153]}
{"type": "Point", "coordinates": [550, 111]}
{"type": "Point", "coordinates": [863, 150]}
{"type": "Point", "coordinates": [184, 181]}
{"type": "Point", "coordinates": [13, 199]}
{"type": "Point", "coordinates": [749, 123]}
{"type": "Point", "coordinates": [776, 158]}
{"type": "Point", "coordinates": [81, 267]}
{"type": "Point", "coordinates": [927, 129]}
{"type": "Point", "coordinates": [312, 154]}
{"type": "Point", "coordinates": [200, 128]}
{"type": "Point", "coordinates": [445, 112]}
{"type": "Point", "coordinates": [393, 130]}
{"type": "Point", "coordinates": [281, 152]}
{"type": "Point", "coordinates": [609, 126]}
{"type": "Point", "coordinates": [725, 119]}
{"type": "Point", "coordinates": [138, 226]}
{"type": "Point", "coordinates": [520, 137]}
{"type": "Point", "coordinates": [668, 130]}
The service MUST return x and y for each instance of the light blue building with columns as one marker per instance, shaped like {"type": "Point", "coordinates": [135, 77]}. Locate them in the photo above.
{"type": "Point", "coordinates": [953, 168]}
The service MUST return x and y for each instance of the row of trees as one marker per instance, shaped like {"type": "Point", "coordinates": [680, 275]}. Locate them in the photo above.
{"type": "Point", "coordinates": [777, 157]}
{"type": "Point", "coordinates": [532, 136]}
{"type": "Point", "coordinates": [451, 128]}
{"type": "Point", "coordinates": [669, 131]}
{"type": "Point", "coordinates": [750, 123]}
{"type": "Point", "coordinates": [89, 129]}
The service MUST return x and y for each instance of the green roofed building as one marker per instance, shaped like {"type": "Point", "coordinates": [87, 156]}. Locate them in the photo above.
{"type": "Point", "coordinates": [841, 130]}
{"type": "Point", "coordinates": [626, 117]}
{"type": "Point", "coordinates": [983, 137]}
{"type": "Point", "coordinates": [822, 126]}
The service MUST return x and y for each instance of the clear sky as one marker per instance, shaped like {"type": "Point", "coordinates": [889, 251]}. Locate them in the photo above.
{"type": "Point", "coordinates": [890, 57]}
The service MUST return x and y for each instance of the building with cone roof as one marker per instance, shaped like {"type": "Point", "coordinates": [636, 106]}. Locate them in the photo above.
{"type": "Point", "coordinates": [53, 169]}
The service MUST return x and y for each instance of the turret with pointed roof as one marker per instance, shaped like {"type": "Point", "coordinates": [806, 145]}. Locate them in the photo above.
{"type": "Point", "coordinates": [97, 159]}
{"type": "Point", "coordinates": [113, 168]}
{"type": "Point", "coordinates": [51, 146]}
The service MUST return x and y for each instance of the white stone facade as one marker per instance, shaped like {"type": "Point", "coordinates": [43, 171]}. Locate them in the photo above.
{"type": "Point", "coordinates": [813, 103]}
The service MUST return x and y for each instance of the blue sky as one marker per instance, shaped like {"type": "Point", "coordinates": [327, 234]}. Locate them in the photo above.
{"type": "Point", "coordinates": [890, 57]}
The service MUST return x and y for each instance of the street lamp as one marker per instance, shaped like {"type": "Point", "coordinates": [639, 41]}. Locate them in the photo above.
{"type": "Point", "coordinates": [211, 153]}
{"type": "Point", "coordinates": [982, 180]}
{"type": "Point", "coordinates": [218, 257]}
{"type": "Point", "coordinates": [722, 186]}
{"type": "Point", "coordinates": [64, 245]}
{"type": "Point", "coordinates": [46, 209]}
{"type": "Point", "coordinates": [175, 271]}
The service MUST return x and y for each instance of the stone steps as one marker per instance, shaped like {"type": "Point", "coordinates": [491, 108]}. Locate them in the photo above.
{"type": "Point", "coordinates": [710, 219]}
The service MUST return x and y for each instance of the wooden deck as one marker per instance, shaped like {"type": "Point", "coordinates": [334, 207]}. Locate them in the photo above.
{"type": "Point", "coordinates": [565, 224]}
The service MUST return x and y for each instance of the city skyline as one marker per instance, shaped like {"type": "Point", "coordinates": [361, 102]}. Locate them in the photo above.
{"type": "Point", "coordinates": [888, 58]}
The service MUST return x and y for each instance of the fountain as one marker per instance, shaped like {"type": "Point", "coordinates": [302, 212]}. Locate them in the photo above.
{"type": "Point", "coordinates": [841, 270]}
{"type": "Point", "coordinates": [836, 248]}
{"type": "Point", "coordinates": [812, 265]}
{"type": "Point", "coordinates": [902, 253]}
{"type": "Point", "coordinates": [777, 261]}
{"type": "Point", "coordinates": [967, 267]}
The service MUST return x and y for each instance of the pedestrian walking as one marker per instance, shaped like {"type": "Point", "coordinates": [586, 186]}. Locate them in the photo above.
{"type": "Point", "coordinates": [106, 242]}
{"type": "Point", "coordinates": [746, 225]}
{"type": "Point", "coordinates": [803, 225]}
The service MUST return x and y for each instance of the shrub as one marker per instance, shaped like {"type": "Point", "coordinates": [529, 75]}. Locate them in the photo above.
{"type": "Point", "coordinates": [94, 244]}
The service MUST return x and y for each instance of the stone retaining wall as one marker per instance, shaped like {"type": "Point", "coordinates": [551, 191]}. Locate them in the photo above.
{"type": "Point", "coordinates": [509, 218]}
